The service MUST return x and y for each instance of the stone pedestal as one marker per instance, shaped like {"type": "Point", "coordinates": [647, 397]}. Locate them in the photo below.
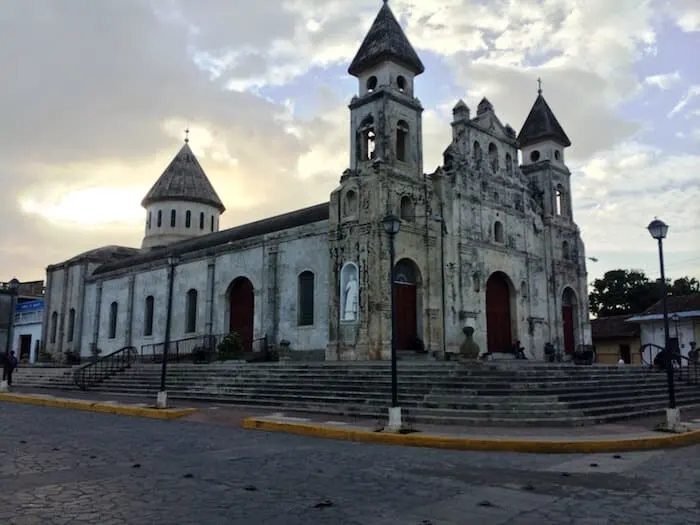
{"type": "Point", "coordinates": [4, 387]}
{"type": "Point", "coordinates": [162, 400]}
{"type": "Point", "coordinates": [395, 421]}
{"type": "Point", "coordinates": [673, 422]}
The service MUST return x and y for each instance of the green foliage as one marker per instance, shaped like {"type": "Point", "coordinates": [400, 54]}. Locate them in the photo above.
{"type": "Point", "coordinates": [230, 347]}
{"type": "Point", "coordinates": [622, 292]}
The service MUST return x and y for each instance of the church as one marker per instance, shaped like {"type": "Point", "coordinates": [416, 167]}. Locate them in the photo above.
{"type": "Point", "coordinates": [486, 241]}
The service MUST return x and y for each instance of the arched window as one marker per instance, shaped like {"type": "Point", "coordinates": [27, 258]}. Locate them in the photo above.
{"type": "Point", "coordinates": [476, 152]}
{"type": "Point", "coordinates": [350, 204]}
{"type": "Point", "coordinates": [401, 83]}
{"type": "Point", "coordinates": [148, 221]}
{"type": "Point", "coordinates": [407, 210]}
{"type": "Point", "coordinates": [173, 218]}
{"type": "Point", "coordinates": [113, 311]}
{"type": "Point", "coordinates": [371, 83]}
{"type": "Point", "coordinates": [201, 220]}
{"type": "Point", "coordinates": [366, 139]}
{"type": "Point", "coordinates": [493, 157]}
{"type": "Point", "coordinates": [306, 299]}
{"type": "Point", "coordinates": [498, 231]}
{"type": "Point", "coordinates": [191, 325]}
{"type": "Point", "coordinates": [509, 164]}
{"type": "Point", "coordinates": [54, 326]}
{"type": "Point", "coordinates": [148, 316]}
{"type": "Point", "coordinates": [160, 218]}
{"type": "Point", "coordinates": [559, 200]}
{"type": "Point", "coordinates": [211, 223]}
{"type": "Point", "coordinates": [188, 219]}
{"type": "Point", "coordinates": [71, 324]}
{"type": "Point", "coordinates": [402, 140]}
{"type": "Point", "coordinates": [565, 253]}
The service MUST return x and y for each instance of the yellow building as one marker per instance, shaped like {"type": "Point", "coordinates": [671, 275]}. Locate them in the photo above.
{"type": "Point", "coordinates": [614, 338]}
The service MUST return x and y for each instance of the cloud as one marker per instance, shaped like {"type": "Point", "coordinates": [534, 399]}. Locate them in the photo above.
{"type": "Point", "coordinates": [663, 81]}
{"type": "Point", "coordinates": [692, 92]}
{"type": "Point", "coordinates": [686, 14]}
{"type": "Point", "coordinates": [98, 94]}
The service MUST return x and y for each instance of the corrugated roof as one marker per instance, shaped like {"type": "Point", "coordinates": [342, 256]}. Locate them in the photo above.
{"type": "Point", "coordinates": [613, 327]}
{"type": "Point", "coordinates": [317, 213]}
{"type": "Point", "coordinates": [385, 41]}
{"type": "Point", "coordinates": [676, 304]}
{"type": "Point", "coordinates": [184, 179]}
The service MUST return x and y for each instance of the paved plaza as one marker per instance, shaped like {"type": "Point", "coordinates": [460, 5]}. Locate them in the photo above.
{"type": "Point", "coordinates": [60, 466]}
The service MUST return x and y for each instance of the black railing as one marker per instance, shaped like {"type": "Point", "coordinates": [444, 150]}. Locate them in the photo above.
{"type": "Point", "coordinates": [685, 369]}
{"type": "Point", "coordinates": [199, 349]}
{"type": "Point", "coordinates": [97, 371]}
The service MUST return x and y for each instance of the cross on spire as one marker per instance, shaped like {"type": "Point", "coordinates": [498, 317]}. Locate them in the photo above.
{"type": "Point", "coordinates": [187, 135]}
{"type": "Point", "coordinates": [539, 86]}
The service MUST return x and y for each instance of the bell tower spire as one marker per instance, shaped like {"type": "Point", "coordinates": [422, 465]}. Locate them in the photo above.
{"type": "Point", "coordinates": [385, 114]}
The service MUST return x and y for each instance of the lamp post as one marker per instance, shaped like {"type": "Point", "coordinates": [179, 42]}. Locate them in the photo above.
{"type": "Point", "coordinates": [162, 401]}
{"type": "Point", "coordinates": [392, 225]}
{"type": "Point", "coordinates": [658, 230]}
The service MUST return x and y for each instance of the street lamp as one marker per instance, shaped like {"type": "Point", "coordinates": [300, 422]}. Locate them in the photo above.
{"type": "Point", "coordinates": [658, 230]}
{"type": "Point", "coordinates": [162, 401]}
{"type": "Point", "coordinates": [392, 225]}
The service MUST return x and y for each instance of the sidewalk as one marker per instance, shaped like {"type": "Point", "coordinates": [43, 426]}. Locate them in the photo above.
{"type": "Point", "coordinates": [634, 434]}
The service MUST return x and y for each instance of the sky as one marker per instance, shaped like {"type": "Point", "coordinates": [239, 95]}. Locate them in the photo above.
{"type": "Point", "coordinates": [95, 97]}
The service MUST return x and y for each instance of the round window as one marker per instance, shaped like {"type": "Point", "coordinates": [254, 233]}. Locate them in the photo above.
{"type": "Point", "coordinates": [535, 156]}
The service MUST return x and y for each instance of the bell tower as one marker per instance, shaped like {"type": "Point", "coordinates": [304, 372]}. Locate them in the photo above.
{"type": "Point", "coordinates": [385, 114]}
{"type": "Point", "coordinates": [385, 178]}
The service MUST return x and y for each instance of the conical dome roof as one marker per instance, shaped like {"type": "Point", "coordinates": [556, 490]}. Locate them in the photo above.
{"type": "Point", "coordinates": [184, 180]}
{"type": "Point", "coordinates": [385, 40]}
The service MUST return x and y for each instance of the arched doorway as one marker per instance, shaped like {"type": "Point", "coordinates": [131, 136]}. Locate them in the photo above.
{"type": "Point", "coordinates": [406, 297]}
{"type": "Point", "coordinates": [568, 317]}
{"type": "Point", "coordinates": [242, 310]}
{"type": "Point", "coordinates": [499, 323]}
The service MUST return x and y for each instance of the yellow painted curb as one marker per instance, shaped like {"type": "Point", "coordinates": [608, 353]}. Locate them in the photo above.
{"type": "Point", "coordinates": [96, 406]}
{"type": "Point", "coordinates": [481, 444]}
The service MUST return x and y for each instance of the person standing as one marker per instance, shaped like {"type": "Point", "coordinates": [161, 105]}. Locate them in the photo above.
{"type": "Point", "coordinates": [9, 365]}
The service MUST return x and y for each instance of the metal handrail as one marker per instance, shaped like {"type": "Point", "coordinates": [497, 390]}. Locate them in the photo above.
{"type": "Point", "coordinates": [688, 371]}
{"type": "Point", "coordinates": [197, 347]}
{"type": "Point", "coordinates": [90, 374]}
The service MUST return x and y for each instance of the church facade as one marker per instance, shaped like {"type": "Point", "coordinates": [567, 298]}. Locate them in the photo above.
{"type": "Point", "coordinates": [485, 241]}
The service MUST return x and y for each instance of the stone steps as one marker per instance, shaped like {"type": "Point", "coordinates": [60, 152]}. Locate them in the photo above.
{"type": "Point", "coordinates": [454, 393]}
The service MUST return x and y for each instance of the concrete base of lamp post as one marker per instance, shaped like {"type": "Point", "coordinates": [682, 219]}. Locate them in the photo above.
{"type": "Point", "coordinates": [4, 387]}
{"type": "Point", "coordinates": [673, 422]}
{"type": "Point", "coordinates": [162, 399]}
{"type": "Point", "coordinates": [395, 421]}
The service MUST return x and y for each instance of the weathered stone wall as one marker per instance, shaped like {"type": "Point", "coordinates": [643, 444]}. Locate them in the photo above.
{"type": "Point", "coordinates": [272, 263]}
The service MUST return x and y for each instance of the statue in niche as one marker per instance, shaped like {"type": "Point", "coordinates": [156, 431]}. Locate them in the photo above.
{"type": "Point", "coordinates": [351, 298]}
{"type": "Point", "coordinates": [469, 349]}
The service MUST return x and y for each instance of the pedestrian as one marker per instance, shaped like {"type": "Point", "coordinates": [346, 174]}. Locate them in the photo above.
{"type": "Point", "coordinates": [9, 365]}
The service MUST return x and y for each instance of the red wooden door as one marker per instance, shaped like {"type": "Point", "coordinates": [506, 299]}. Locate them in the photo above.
{"type": "Point", "coordinates": [406, 315]}
{"type": "Point", "coordinates": [242, 307]}
{"type": "Point", "coordinates": [567, 315]}
{"type": "Point", "coordinates": [498, 320]}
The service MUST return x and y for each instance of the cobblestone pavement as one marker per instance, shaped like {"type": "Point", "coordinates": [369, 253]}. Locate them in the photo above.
{"type": "Point", "coordinates": [61, 466]}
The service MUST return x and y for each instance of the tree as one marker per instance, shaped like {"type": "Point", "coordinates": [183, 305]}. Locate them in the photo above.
{"type": "Point", "coordinates": [622, 292]}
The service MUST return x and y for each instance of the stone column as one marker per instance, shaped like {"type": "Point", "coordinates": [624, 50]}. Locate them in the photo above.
{"type": "Point", "coordinates": [98, 312]}
{"type": "Point", "coordinates": [129, 311]}
{"type": "Point", "coordinates": [211, 276]}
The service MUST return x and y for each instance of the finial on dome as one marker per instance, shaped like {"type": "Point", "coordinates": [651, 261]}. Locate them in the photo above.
{"type": "Point", "coordinates": [187, 135]}
{"type": "Point", "coordinates": [539, 86]}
